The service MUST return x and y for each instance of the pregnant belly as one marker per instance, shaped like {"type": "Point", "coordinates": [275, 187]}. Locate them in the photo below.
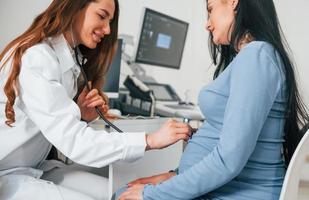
{"type": "Point", "coordinates": [197, 148]}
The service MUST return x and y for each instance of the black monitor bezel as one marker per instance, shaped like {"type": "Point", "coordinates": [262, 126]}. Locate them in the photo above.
{"type": "Point", "coordinates": [147, 10]}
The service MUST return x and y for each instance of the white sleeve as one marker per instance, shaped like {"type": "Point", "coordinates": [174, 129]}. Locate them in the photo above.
{"type": "Point", "coordinates": [46, 102]}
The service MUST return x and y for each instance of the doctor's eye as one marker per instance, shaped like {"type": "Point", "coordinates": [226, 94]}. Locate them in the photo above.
{"type": "Point", "coordinates": [102, 16]}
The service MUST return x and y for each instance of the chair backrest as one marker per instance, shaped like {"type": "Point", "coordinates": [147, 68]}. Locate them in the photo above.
{"type": "Point", "coordinates": [296, 172]}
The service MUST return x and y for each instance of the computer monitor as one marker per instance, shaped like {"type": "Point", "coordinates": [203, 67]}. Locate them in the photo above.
{"type": "Point", "coordinates": [162, 40]}
{"type": "Point", "coordinates": [111, 85]}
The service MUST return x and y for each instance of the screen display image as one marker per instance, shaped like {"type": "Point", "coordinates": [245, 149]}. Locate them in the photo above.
{"type": "Point", "coordinates": [111, 85]}
{"type": "Point", "coordinates": [162, 40]}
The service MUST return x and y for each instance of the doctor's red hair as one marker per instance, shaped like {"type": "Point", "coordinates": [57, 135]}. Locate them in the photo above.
{"type": "Point", "coordinates": [55, 20]}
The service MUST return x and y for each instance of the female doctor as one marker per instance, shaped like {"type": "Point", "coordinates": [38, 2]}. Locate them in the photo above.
{"type": "Point", "coordinates": [39, 78]}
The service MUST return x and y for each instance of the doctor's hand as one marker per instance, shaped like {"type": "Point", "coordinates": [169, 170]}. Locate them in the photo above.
{"type": "Point", "coordinates": [133, 193]}
{"type": "Point", "coordinates": [153, 180]}
{"type": "Point", "coordinates": [87, 101]}
{"type": "Point", "coordinates": [171, 132]}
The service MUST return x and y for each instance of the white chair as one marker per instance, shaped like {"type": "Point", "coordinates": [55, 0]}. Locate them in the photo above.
{"type": "Point", "coordinates": [296, 181]}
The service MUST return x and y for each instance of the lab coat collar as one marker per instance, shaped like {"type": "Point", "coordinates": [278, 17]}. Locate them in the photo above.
{"type": "Point", "coordinates": [64, 53]}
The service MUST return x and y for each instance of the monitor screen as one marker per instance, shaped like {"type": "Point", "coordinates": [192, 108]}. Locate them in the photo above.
{"type": "Point", "coordinates": [111, 85]}
{"type": "Point", "coordinates": [160, 93]}
{"type": "Point", "coordinates": [162, 40]}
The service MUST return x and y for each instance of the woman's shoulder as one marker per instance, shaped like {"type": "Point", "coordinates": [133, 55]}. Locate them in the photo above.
{"type": "Point", "coordinates": [258, 52]}
{"type": "Point", "coordinates": [259, 45]}
{"type": "Point", "coordinates": [259, 48]}
{"type": "Point", "coordinates": [258, 58]}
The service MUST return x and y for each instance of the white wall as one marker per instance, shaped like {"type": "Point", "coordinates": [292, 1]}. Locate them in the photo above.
{"type": "Point", "coordinates": [294, 16]}
{"type": "Point", "coordinates": [16, 15]}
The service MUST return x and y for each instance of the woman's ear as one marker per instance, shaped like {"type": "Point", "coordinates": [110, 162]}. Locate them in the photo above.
{"type": "Point", "coordinates": [234, 4]}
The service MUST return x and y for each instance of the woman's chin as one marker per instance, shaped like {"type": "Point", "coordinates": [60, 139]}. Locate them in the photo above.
{"type": "Point", "coordinates": [91, 45]}
{"type": "Point", "coordinates": [215, 39]}
{"type": "Point", "coordinates": [217, 42]}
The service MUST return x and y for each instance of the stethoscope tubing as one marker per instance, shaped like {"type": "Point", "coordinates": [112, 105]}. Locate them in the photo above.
{"type": "Point", "coordinates": [81, 65]}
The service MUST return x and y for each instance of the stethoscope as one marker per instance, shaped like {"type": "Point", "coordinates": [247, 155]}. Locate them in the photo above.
{"type": "Point", "coordinates": [86, 83]}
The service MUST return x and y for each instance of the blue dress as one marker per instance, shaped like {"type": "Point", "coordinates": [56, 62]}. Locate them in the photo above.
{"type": "Point", "coordinates": [237, 153]}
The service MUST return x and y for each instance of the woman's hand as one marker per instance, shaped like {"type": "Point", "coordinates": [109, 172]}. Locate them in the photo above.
{"type": "Point", "coordinates": [87, 101]}
{"type": "Point", "coordinates": [133, 193]}
{"type": "Point", "coordinates": [170, 133]}
{"type": "Point", "coordinates": [135, 188]}
{"type": "Point", "coordinates": [152, 179]}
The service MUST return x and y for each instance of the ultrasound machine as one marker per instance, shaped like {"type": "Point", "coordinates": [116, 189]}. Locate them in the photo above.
{"type": "Point", "coordinates": [161, 43]}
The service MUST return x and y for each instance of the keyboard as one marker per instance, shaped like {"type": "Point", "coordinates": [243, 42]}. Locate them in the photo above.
{"type": "Point", "coordinates": [180, 107]}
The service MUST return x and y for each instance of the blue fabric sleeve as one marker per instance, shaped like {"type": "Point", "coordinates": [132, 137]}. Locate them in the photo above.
{"type": "Point", "coordinates": [255, 81]}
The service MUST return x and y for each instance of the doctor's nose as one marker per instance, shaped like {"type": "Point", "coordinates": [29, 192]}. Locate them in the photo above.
{"type": "Point", "coordinates": [107, 29]}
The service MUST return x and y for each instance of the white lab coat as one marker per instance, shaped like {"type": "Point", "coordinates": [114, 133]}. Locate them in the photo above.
{"type": "Point", "coordinates": [46, 115]}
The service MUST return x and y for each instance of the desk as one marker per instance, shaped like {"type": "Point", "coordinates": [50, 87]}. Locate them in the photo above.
{"type": "Point", "coordinates": [154, 161]}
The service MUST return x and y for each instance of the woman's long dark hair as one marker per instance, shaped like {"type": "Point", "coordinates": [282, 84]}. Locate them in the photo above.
{"type": "Point", "coordinates": [260, 20]}
{"type": "Point", "coordinates": [55, 20]}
